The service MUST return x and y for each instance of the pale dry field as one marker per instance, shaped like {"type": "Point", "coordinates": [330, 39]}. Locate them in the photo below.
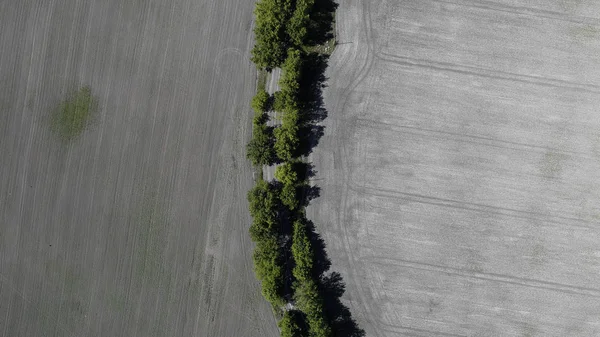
{"type": "Point", "coordinates": [460, 167]}
{"type": "Point", "coordinates": [139, 227]}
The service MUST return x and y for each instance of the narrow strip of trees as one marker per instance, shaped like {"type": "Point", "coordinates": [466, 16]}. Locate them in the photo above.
{"type": "Point", "coordinates": [286, 102]}
{"type": "Point", "coordinates": [284, 257]}
{"type": "Point", "coordinates": [265, 232]}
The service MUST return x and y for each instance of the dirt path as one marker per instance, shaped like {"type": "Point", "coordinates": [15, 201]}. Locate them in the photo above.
{"type": "Point", "coordinates": [139, 227]}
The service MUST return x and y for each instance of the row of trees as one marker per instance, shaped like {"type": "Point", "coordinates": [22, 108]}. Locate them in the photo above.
{"type": "Point", "coordinates": [284, 258]}
{"type": "Point", "coordinates": [290, 173]}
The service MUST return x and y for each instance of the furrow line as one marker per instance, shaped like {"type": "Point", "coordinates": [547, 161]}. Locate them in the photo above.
{"type": "Point", "coordinates": [487, 73]}
{"type": "Point", "coordinates": [520, 281]}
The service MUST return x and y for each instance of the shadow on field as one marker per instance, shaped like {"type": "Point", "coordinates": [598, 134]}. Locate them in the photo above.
{"type": "Point", "coordinates": [312, 84]}
{"type": "Point", "coordinates": [306, 192]}
{"type": "Point", "coordinates": [332, 287]}
{"type": "Point", "coordinates": [322, 17]}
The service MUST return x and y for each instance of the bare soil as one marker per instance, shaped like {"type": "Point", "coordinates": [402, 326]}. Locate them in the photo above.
{"type": "Point", "coordinates": [460, 166]}
{"type": "Point", "coordinates": [139, 226]}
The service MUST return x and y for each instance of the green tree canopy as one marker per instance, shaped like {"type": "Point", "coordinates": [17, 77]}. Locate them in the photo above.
{"type": "Point", "coordinates": [260, 101]}
{"type": "Point", "coordinates": [286, 99]}
{"type": "Point", "coordinates": [289, 196]}
{"type": "Point", "coordinates": [260, 149]}
{"type": "Point", "coordinates": [286, 174]}
{"type": "Point", "coordinates": [270, 33]}
{"type": "Point", "coordinates": [286, 142]}
{"type": "Point", "coordinates": [263, 202]}
{"type": "Point", "coordinates": [302, 252]}
{"type": "Point", "coordinates": [289, 325]}
{"type": "Point", "coordinates": [297, 26]}
{"type": "Point", "coordinates": [310, 302]}
{"type": "Point", "coordinates": [268, 267]}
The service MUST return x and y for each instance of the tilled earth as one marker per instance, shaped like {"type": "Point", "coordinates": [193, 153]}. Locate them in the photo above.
{"type": "Point", "coordinates": [460, 167]}
{"type": "Point", "coordinates": [139, 226]}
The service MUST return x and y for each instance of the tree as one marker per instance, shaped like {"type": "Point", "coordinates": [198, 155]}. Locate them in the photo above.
{"type": "Point", "coordinates": [302, 252]}
{"type": "Point", "coordinates": [286, 142]}
{"type": "Point", "coordinates": [289, 196]}
{"type": "Point", "coordinates": [260, 101]}
{"type": "Point", "coordinates": [297, 26]}
{"type": "Point", "coordinates": [270, 34]}
{"type": "Point", "coordinates": [310, 302]}
{"type": "Point", "coordinates": [260, 149]}
{"type": "Point", "coordinates": [263, 202]}
{"type": "Point", "coordinates": [286, 174]}
{"type": "Point", "coordinates": [290, 325]}
{"type": "Point", "coordinates": [286, 100]}
{"type": "Point", "coordinates": [268, 267]}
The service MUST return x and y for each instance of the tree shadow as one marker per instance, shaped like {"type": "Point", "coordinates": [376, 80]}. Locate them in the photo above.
{"type": "Point", "coordinates": [331, 287]}
{"type": "Point", "coordinates": [305, 170]}
{"type": "Point", "coordinates": [342, 323]}
{"type": "Point", "coordinates": [285, 219]}
{"type": "Point", "coordinates": [308, 193]}
{"type": "Point", "coordinates": [322, 16]}
{"type": "Point", "coordinates": [312, 83]}
{"type": "Point", "coordinates": [309, 135]}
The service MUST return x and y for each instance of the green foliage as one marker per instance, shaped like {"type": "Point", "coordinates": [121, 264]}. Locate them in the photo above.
{"type": "Point", "coordinates": [290, 326]}
{"type": "Point", "coordinates": [289, 196]}
{"type": "Point", "coordinates": [286, 100]}
{"type": "Point", "coordinates": [302, 252]}
{"type": "Point", "coordinates": [260, 149]}
{"type": "Point", "coordinates": [297, 26]}
{"type": "Point", "coordinates": [286, 174]}
{"type": "Point", "coordinates": [260, 119]}
{"type": "Point", "coordinates": [270, 33]}
{"type": "Point", "coordinates": [260, 101]}
{"type": "Point", "coordinates": [281, 33]}
{"type": "Point", "coordinates": [73, 115]}
{"type": "Point", "coordinates": [310, 302]}
{"type": "Point", "coordinates": [263, 202]}
{"type": "Point", "coordinates": [268, 266]}
{"type": "Point", "coordinates": [286, 142]}
{"type": "Point", "coordinates": [261, 230]}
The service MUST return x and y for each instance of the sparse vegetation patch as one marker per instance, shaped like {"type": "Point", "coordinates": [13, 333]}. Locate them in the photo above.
{"type": "Point", "coordinates": [74, 114]}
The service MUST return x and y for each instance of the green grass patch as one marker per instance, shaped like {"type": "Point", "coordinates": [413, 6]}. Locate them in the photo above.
{"type": "Point", "coordinates": [74, 114]}
{"type": "Point", "coordinates": [324, 49]}
{"type": "Point", "coordinates": [262, 80]}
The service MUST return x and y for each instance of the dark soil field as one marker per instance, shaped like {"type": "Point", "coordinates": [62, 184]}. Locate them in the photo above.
{"type": "Point", "coordinates": [137, 226]}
